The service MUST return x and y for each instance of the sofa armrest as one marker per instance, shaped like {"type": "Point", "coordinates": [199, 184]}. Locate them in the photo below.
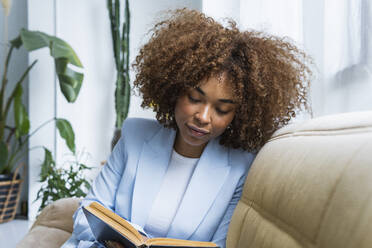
{"type": "Point", "coordinates": [53, 226]}
{"type": "Point", "coordinates": [58, 214]}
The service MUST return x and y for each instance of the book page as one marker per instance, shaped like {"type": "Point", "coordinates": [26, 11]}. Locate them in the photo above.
{"type": "Point", "coordinates": [179, 242]}
{"type": "Point", "coordinates": [140, 230]}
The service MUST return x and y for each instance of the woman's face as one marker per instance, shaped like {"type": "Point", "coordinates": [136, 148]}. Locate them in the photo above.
{"type": "Point", "coordinates": [202, 114]}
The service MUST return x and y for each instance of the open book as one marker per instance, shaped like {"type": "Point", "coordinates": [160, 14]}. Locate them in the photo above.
{"type": "Point", "coordinates": [108, 226]}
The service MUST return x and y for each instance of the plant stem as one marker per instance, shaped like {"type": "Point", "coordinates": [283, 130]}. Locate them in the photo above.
{"type": "Point", "coordinates": [114, 15]}
{"type": "Point", "coordinates": [14, 154]}
{"type": "Point", "coordinates": [2, 92]}
{"type": "Point", "coordinates": [42, 125]}
{"type": "Point", "coordinates": [10, 99]}
{"type": "Point", "coordinates": [16, 159]}
{"type": "Point", "coordinates": [4, 80]}
{"type": "Point", "coordinates": [127, 24]}
{"type": "Point", "coordinates": [11, 133]}
{"type": "Point", "coordinates": [20, 156]}
{"type": "Point", "coordinates": [112, 23]}
{"type": "Point", "coordinates": [117, 46]}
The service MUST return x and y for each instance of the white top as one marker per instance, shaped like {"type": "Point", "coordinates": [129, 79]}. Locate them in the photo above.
{"type": "Point", "coordinates": [170, 195]}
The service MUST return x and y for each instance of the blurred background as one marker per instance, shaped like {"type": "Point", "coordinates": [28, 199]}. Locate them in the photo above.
{"type": "Point", "coordinates": [336, 33]}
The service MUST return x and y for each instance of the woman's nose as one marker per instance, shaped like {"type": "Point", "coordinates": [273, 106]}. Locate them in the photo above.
{"type": "Point", "coordinates": [203, 115]}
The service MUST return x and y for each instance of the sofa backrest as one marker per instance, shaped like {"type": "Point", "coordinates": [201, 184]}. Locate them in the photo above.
{"type": "Point", "coordinates": [309, 186]}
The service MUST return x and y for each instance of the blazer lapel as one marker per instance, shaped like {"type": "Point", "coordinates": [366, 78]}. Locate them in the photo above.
{"type": "Point", "coordinates": [207, 180]}
{"type": "Point", "coordinates": [152, 165]}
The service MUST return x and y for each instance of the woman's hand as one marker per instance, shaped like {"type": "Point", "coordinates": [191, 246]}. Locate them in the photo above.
{"type": "Point", "coordinates": [113, 244]}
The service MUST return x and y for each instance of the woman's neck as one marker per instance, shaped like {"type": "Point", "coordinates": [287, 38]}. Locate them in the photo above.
{"type": "Point", "coordinates": [187, 150]}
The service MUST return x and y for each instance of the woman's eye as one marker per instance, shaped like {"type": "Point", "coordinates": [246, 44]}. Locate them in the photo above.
{"type": "Point", "coordinates": [191, 99]}
{"type": "Point", "coordinates": [221, 112]}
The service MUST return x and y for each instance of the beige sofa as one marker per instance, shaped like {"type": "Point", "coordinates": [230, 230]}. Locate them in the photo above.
{"type": "Point", "coordinates": [310, 186]}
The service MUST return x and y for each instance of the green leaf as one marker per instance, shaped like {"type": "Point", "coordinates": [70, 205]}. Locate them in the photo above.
{"type": "Point", "coordinates": [22, 122]}
{"type": "Point", "coordinates": [33, 40]}
{"type": "Point", "coordinates": [17, 42]}
{"type": "Point", "coordinates": [44, 202]}
{"type": "Point", "coordinates": [66, 89]}
{"type": "Point", "coordinates": [3, 155]}
{"type": "Point", "coordinates": [87, 184]}
{"type": "Point", "coordinates": [67, 133]}
{"type": "Point", "coordinates": [83, 166]}
{"type": "Point", "coordinates": [70, 80]}
{"type": "Point", "coordinates": [60, 49]}
{"type": "Point", "coordinates": [47, 165]}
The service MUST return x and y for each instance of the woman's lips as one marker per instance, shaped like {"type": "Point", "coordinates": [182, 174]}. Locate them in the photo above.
{"type": "Point", "coordinates": [197, 132]}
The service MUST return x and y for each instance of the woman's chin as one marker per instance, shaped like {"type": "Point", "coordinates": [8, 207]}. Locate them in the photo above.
{"type": "Point", "coordinates": [196, 142]}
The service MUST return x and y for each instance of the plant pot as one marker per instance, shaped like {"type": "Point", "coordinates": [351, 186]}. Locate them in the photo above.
{"type": "Point", "coordinates": [10, 189]}
{"type": "Point", "coordinates": [115, 138]}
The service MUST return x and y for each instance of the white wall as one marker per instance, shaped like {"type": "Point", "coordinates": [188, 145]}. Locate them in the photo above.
{"type": "Point", "coordinates": [221, 9]}
{"type": "Point", "coordinates": [85, 26]}
{"type": "Point", "coordinates": [42, 105]}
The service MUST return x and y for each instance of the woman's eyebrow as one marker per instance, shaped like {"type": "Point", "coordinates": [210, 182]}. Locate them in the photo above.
{"type": "Point", "coordinates": [200, 91]}
{"type": "Point", "coordinates": [221, 100]}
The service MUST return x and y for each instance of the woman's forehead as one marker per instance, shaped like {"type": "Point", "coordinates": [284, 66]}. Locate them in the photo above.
{"type": "Point", "coordinates": [217, 86]}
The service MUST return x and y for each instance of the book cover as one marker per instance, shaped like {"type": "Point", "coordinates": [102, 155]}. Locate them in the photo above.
{"type": "Point", "coordinates": [108, 226]}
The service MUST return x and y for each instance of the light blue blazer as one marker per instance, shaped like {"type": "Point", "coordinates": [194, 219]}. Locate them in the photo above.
{"type": "Point", "coordinates": [130, 181]}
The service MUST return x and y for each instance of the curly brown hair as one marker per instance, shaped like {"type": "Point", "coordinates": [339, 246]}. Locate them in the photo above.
{"type": "Point", "coordinates": [269, 75]}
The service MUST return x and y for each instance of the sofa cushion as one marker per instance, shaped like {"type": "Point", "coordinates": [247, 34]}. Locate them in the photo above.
{"type": "Point", "coordinates": [310, 186]}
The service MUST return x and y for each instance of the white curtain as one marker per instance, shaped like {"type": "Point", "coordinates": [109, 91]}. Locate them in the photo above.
{"type": "Point", "coordinates": [336, 33]}
{"type": "Point", "coordinates": [347, 55]}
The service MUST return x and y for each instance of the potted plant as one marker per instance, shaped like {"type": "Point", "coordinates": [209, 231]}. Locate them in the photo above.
{"type": "Point", "coordinates": [120, 40]}
{"type": "Point", "coordinates": [14, 137]}
{"type": "Point", "coordinates": [62, 181]}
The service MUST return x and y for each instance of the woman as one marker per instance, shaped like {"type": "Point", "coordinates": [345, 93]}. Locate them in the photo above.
{"type": "Point", "coordinates": [218, 94]}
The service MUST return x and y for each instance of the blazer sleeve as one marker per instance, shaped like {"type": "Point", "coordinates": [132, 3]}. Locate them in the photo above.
{"type": "Point", "coordinates": [219, 236]}
{"type": "Point", "coordinates": [103, 190]}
